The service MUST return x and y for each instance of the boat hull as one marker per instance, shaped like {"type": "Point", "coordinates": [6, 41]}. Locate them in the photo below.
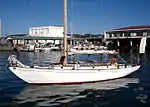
{"type": "Point", "coordinates": [69, 76]}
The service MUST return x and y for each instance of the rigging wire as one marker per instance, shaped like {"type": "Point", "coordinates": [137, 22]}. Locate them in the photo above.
{"type": "Point", "coordinates": [71, 22]}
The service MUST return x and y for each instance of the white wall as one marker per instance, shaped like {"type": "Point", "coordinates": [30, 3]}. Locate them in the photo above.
{"type": "Point", "coordinates": [46, 31]}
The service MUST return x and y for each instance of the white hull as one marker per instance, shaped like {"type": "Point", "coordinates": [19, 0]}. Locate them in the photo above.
{"type": "Point", "coordinates": [47, 49]}
{"type": "Point", "coordinates": [52, 49]}
{"type": "Point", "coordinates": [26, 50]}
{"type": "Point", "coordinates": [90, 51]}
{"type": "Point", "coordinates": [32, 50]}
{"type": "Point", "coordinates": [69, 76]}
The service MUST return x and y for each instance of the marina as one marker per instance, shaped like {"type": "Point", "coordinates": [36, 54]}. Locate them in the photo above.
{"type": "Point", "coordinates": [113, 67]}
{"type": "Point", "coordinates": [74, 53]}
{"type": "Point", "coordinates": [124, 39]}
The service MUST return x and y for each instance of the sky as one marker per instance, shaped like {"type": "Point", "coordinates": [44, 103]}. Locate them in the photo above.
{"type": "Point", "coordinates": [84, 16]}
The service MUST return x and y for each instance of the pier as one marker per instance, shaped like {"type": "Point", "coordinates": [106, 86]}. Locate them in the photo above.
{"type": "Point", "coordinates": [127, 38]}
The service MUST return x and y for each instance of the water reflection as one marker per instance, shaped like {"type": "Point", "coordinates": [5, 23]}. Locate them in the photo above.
{"type": "Point", "coordinates": [40, 58]}
{"type": "Point", "coordinates": [60, 94]}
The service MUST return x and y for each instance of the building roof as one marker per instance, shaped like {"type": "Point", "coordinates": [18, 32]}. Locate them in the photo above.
{"type": "Point", "coordinates": [75, 37]}
{"type": "Point", "coordinates": [35, 38]}
{"type": "Point", "coordinates": [46, 26]}
{"type": "Point", "coordinates": [133, 28]}
{"type": "Point", "coordinates": [27, 37]}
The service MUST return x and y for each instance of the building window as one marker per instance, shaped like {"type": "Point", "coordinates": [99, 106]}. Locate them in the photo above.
{"type": "Point", "coordinates": [32, 31]}
{"type": "Point", "coordinates": [133, 34]}
{"type": "Point", "coordinates": [144, 33]}
{"type": "Point", "coordinates": [107, 35]}
{"type": "Point", "coordinates": [128, 34]}
{"type": "Point", "coordinates": [36, 31]}
{"type": "Point", "coordinates": [41, 31]}
{"type": "Point", "coordinates": [118, 35]}
{"type": "Point", "coordinates": [47, 30]}
{"type": "Point", "coordinates": [110, 35]}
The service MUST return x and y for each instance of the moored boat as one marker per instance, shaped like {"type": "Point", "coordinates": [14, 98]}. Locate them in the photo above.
{"type": "Point", "coordinates": [73, 72]}
{"type": "Point", "coordinates": [30, 48]}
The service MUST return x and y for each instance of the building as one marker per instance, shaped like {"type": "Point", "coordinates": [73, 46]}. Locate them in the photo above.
{"type": "Point", "coordinates": [47, 31]}
{"type": "Point", "coordinates": [128, 32]}
{"type": "Point", "coordinates": [127, 37]}
{"type": "Point", "coordinates": [52, 34]}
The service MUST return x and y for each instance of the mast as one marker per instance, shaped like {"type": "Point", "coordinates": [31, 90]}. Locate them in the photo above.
{"type": "Point", "coordinates": [65, 31]}
{"type": "Point", "coordinates": [0, 29]}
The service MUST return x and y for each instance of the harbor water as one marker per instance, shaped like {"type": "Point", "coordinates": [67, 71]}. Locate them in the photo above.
{"type": "Point", "coordinates": [130, 91]}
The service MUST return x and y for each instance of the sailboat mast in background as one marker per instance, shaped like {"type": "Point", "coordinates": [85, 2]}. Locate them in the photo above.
{"type": "Point", "coordinates": [0, 29]}
{"type": "Point", "coordinates": [65, 31]}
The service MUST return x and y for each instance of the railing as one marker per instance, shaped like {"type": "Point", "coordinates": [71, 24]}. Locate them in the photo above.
{"type": "Point", "coordinates": [125, 37]}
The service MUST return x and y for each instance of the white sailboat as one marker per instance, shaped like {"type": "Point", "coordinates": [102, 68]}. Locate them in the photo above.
{"type": "Point", "coordinates": [71, 73]}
